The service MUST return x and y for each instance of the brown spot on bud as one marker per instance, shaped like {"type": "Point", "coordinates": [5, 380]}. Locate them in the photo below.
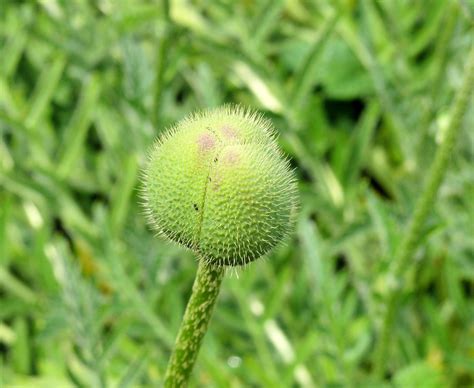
{"type": "Point", "coordinates": [206, 142]}
{"type": "Point", "coordinates": [228, 132]}
{"type": "Point", "coordinates": [231, 157]}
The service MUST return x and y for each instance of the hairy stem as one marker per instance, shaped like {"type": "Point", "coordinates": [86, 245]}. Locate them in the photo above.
{"type": "Point", "coordinates": [194, 325]}
{"type": "Point", "coordinates": [422, 209]}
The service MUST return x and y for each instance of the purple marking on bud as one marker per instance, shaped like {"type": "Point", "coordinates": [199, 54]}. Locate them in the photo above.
{"type": "Point", "coordinates": [229, 132]}
{"type": "Point", "coordinates": [231, 157]}
{"type": "Point", "coordinates": [206, 142]}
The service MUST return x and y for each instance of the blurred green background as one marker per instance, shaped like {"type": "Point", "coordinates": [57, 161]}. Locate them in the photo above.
{"type": "Point", "coordinates": [360, 92]}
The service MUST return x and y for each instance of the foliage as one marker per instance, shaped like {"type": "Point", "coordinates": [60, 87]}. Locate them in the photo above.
{"type": "Point", "coordinates": [361, 93]}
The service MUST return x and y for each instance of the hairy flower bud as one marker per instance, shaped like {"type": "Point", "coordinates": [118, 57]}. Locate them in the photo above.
{"type": "Point", "coordinates": [218, 184]}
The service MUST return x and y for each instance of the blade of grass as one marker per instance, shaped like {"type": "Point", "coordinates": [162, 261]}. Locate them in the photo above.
{"type": "Point", "coordinates": [76, 131]}
{"type": "Point", "coordinates": [133, 372]}
{"type": "Point", "coordinates": [161, 56]}
{"type": "Point", "coordinates": [265, 21]}
{"type": "Point", "coordinates": [362, 49]}
{"type": "Point", "coordinates": [16, 287]}
{"type": "Point", "coordinates": [423, 207]}
{"type": "Point", "coordinates": [260, 87]}
{"type": "Point", "coordinates": [361, 141]}
{"type": "Point", "coordinates": [303, 81]}
{"type": "Point", "coordinates": [12, 52]}
{"type": "Point", "coordinates": [44, 89]}
{"type": "Point", "coordinates": [120, 202]}
{"type": "Point", "coordinates": [161, 61]}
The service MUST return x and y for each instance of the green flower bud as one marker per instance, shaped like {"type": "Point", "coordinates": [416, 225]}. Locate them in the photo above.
{"type": "Point", "coordinates": [218, 184]}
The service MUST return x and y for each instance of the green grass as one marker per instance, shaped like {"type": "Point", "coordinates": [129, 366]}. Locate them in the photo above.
{"type": "Point", "coordinates": [361, 93]}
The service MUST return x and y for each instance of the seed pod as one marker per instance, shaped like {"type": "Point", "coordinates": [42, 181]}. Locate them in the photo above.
{"type": "Point", "coordinates": [218, 184]}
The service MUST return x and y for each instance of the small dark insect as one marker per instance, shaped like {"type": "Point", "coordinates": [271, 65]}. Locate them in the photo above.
{"type": "Point", "coordinates": [215, 160]}
{"type": "Point", "coordinates": [196, 207]}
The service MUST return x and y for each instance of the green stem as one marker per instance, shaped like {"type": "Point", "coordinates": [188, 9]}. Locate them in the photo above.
{"type": "Point", "coordinates": [194, 325]}
{"type": "Point", "coordinates": [423, 207]}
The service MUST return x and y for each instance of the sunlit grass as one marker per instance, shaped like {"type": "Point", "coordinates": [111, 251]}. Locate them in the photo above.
{"type": "Point", "coordinates": [361, 94]}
